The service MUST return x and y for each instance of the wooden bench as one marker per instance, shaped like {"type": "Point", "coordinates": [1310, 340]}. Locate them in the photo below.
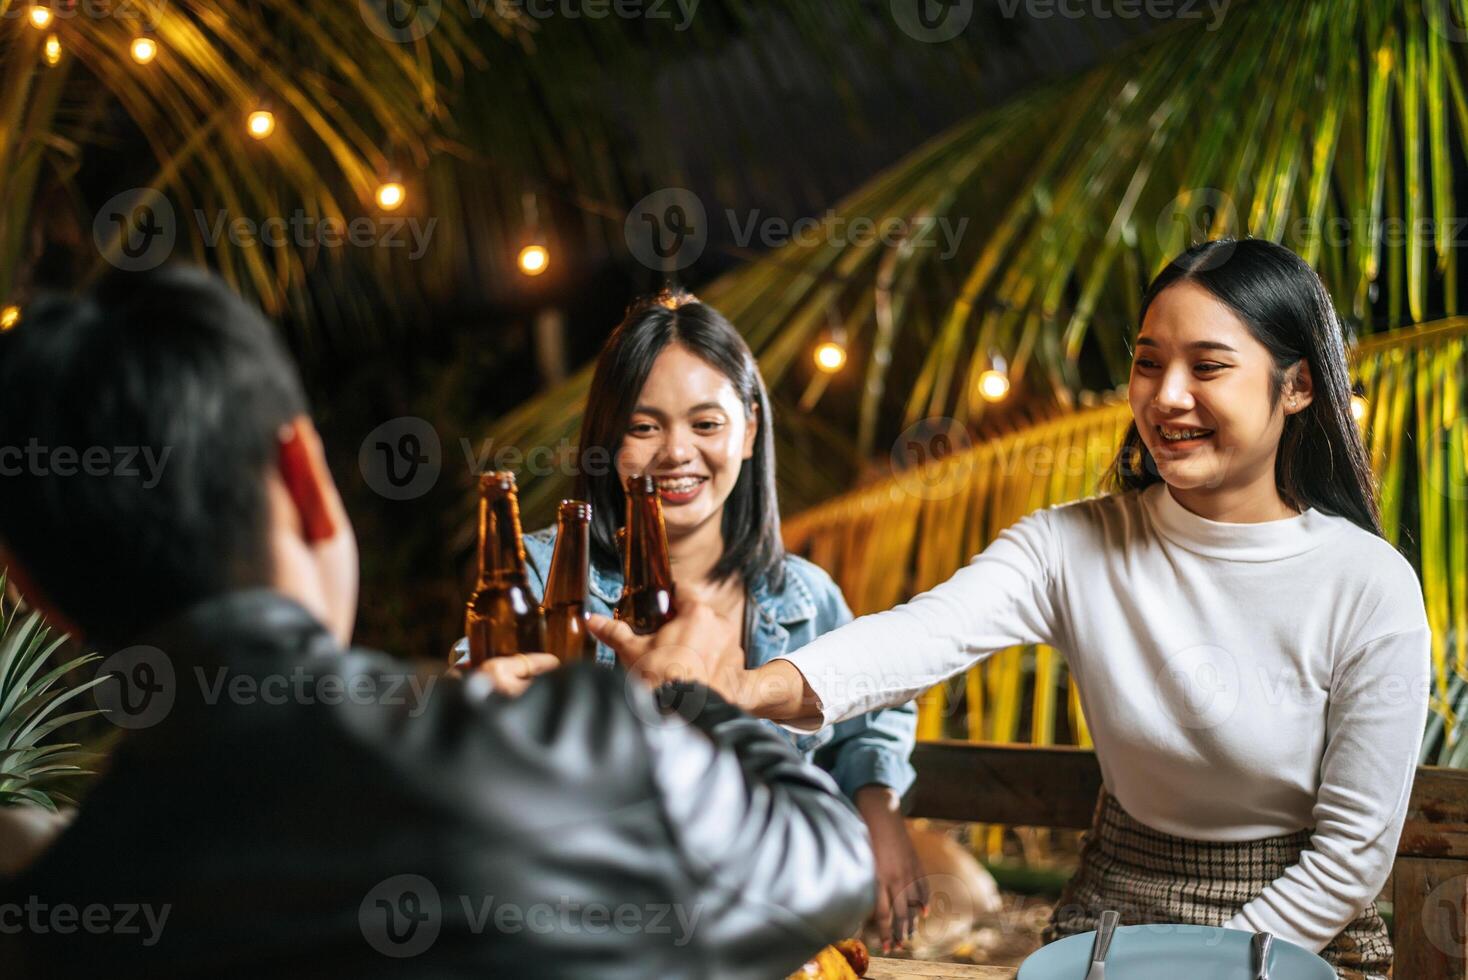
{"type": "Point", "coordinates": [1032, 786]}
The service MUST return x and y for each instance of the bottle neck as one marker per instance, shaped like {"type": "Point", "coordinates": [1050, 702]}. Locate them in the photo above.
{"type": "Point", "coordinates": [501, 545]}
{"type": "Point", "coordinates": [647, 563]}
{"type": "Point", "coordinates": [570, 568]}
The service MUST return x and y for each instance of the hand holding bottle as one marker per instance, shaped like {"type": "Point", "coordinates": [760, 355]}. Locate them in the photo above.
{"type": "Point", "coordinates": [698, 646]}
{"type": "Point", "coordinates": [704, 647]}
{"type": "Point", "coordinates": [512, 675]}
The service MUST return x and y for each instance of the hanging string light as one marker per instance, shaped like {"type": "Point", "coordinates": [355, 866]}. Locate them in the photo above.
{"type": "Point", "coordinates": [830, 351]}
{"type": "Point", "coordinates": [391, 195]}
{"type": "Point", "coordinates": [830, 356]}
{"type": "Point", "coordinates": [144, 49]}
{"type": "Point", "coordinates": [9, 317]}
{"type": "Point", "coordinates": [41, 17]}
{"type": "Point", "coordinates": [993, 384]}
{"type": "Point", "coordinates": [52, 50]}
{"type": "Point", "coordinates": [534, 257]}
{"type": "Point", "coordinates": [1358, 408]}
{"type": "Point", "coordinates": [260, 123]}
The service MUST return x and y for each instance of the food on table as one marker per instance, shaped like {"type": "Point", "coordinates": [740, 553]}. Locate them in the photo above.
{"type": "Point", "coordinates": [847, 960]}
{"type": "Point", "coordinates": [856, 954]}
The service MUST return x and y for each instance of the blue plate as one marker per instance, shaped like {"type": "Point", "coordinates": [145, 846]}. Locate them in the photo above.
{"type": "Point", "coordinates": [1167, 952]}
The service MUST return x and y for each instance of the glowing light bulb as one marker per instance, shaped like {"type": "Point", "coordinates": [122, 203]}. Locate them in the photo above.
{"type": "Point", "coordinates": [1358, 408]}
{"type": "Point", "coordinates": [994, 386]}
{"type": "Point", "coordinates": [40, 17]}
{"type": "Point", "coordinates": [9, 317]}
{"type": "Point", "coordinates": [53, 50]}
{"type": "Point", "coordinates": [390, 196]}
{"type": "Point", "coordinates": [830, 357]}
{"type": "Point", "coordinates": [534, 259]}
{"type": "Point", "coordinates": [144, 49]}
{"type": "Point", "coordinates": [260, 124]}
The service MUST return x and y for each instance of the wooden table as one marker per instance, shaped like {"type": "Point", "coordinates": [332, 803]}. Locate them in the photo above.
{"type": "Point", "coordinates": [884, 969]}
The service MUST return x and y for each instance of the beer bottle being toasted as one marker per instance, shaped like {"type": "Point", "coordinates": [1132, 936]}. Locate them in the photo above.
{"type": "Point", "coordinates": [502, 618]}
{"type": "Point", "coordinates": [647, 592]}
{"type": "Point", "coordinates": [566, 630]}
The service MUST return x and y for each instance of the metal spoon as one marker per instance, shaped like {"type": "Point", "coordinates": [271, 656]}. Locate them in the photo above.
{"type": "Point", "coordinates": [1099, 949]}
{"type": "Point", "coordinates": [1262, 942]}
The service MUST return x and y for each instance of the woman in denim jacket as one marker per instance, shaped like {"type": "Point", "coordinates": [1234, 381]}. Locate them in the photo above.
{"type": "Point", "coordinates": [677, 395]}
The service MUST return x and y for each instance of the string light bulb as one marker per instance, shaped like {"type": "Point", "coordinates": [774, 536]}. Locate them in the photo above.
{"type": "Point", "coordinates": [993, 384]}
{"type": "Point", "coordinates": [391, 195]}
{"type": "Point", "coordinates": [41, 17]}
{"type": "Point", "coordinates": [144, 49]}
{"type": "Point", "coordinates": [52, 50]}
{"type": "Point", "coordinates": [830, 353]}
{"type": "Point", "coordinates": [534, 259]}
{"type": "Point", "coordinates": [830, 356]}
{"type": "Point", "coordinates": [260, 123]}
{"type": "Point", "coordinates": [9, 317]}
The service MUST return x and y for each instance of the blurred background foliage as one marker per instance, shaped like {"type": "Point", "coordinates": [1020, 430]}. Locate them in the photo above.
{"type": "Point", "coordinates": [504, 122]}
{"type": "Point", "coordinates": [1036, 170]}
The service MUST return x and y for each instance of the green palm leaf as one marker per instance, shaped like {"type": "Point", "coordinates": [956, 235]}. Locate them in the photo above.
{"type": "Point", "coordinates": [28, 699]}
{"type": "Point", "coordinates": [1277, 125]}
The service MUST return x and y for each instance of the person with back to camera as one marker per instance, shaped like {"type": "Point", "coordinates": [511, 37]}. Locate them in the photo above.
{"type": "Point", "coordinates": [301, 808]}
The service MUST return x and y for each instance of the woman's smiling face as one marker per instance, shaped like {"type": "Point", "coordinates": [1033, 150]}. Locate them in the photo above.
{"type": "Point", "coordinates": [1199, 374]}
{"type": "Point", "coordinates": [689, 430]}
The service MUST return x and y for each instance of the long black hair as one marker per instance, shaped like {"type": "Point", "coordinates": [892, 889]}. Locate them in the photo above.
{"type": "Point", "coordinates": [1322, 462]}
{"type": "Point", "coordinates": [751, 522]}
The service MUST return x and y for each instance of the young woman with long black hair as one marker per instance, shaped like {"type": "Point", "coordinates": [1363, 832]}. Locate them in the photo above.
{"type": "Point", "coordinates": [678, 395]}
{"type": "Point", "coordinates": [1252, 655]}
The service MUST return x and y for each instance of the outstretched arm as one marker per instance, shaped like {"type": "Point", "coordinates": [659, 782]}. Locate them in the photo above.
{"type": "Point", "coordinates": [1004, 597]}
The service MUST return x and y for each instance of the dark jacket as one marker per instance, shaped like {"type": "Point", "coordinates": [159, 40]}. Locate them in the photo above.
{"type": "Point", "coordinates": [303, 811]}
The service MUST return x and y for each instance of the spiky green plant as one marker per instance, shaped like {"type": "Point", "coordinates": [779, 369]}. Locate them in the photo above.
{"type": "Point", "coordinates": [30, 696]}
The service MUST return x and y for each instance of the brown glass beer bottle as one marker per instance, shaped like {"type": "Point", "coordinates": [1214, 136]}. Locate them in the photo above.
{"type": "Point", "coordinates": [566, 632]}
{"type": "Point", "coordinates": [502, 618]}
{"type": "Point", "coordinates": [647, 591]}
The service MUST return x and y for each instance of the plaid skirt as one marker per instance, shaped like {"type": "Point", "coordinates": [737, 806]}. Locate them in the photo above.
{"type": "Point", "coordinates": [1152, 877]}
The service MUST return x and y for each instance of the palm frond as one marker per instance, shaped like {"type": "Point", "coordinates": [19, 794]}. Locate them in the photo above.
{"type": "Point", "coordinates": [29, 698]}
{"type": "Point", "coordinates": [1329, 127]}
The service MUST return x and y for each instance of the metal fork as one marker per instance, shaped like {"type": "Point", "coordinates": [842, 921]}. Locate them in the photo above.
{"type": "Point", "coordinates": [1104, 930]}
{"type": "Point", "coordinates": [1262, 942]}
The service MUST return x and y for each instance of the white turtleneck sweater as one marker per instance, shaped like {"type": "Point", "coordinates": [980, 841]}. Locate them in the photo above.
{"type": "Point", "coordinates": [1240, 680]}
